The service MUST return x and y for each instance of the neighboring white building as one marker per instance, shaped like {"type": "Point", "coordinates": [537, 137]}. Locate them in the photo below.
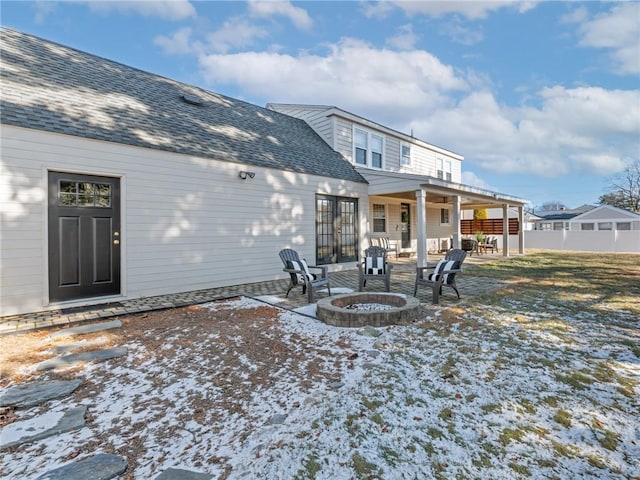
{"type": "Point", "coordinates": [596, 229]}
{"type": "Point", "coordinates": [116, 184]}
{"type": "Point", "coordinates": [605, 218]}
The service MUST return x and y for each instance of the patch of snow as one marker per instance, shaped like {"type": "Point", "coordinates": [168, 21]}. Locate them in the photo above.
{"type": "Point", "coordinates": [28, 428]}
{"type": "Point", "coordinates": [466, 400]}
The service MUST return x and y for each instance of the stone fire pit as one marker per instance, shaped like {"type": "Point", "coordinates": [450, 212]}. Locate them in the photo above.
{"type": "Point", "coordinates": [374, 309]}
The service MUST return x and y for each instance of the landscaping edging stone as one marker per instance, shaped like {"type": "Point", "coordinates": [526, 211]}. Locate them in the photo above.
{"type": "Point", "coordinates": [71, 420]}
{"type": "Point", "coordinates": [179, 474]}
{"type": "Point", "coordinates": [83, 329]}
{"type": "Point", "coordinates": [94, 355]}
{"type": "Point", "coordinates": [102, 466]}
{"type": "Point", "coordinates": [31, 394]}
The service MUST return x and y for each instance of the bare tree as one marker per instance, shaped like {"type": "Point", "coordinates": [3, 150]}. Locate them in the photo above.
{"type": "Point", "coordinates": [624, 189]}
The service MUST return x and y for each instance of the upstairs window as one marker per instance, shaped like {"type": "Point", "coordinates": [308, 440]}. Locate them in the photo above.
{"type": "Point", "coordinates": [376, 151]}
{"type": "Point", "coordinates": [443, 169]}
{"type": "Point", "coordinates": [360, 144]}
{"type": "Point", "coordinates": [447, 170]}
{"type": "Point", "coordinates": [405, 154]}
{"type": "Point", "coordinates": [379, 219]}
{"type": "Point", "coordinates": [368, 148]}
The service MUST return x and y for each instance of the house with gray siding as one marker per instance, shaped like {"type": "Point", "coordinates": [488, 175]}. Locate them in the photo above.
{"type": "Point", "coordinates": [416, 195]}
{"type": "Point", "coordinates": [116, 183]}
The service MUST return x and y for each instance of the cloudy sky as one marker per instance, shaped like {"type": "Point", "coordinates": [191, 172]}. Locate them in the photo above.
{"type": "Point", "coordinates": [541, 98]}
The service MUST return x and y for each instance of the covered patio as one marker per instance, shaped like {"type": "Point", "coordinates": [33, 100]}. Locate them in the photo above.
{"type": "Point", "coordinates": [438, 206]}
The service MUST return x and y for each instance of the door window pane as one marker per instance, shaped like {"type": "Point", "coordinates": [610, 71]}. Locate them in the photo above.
{"type": "Point", "coordinates": [84, 194]}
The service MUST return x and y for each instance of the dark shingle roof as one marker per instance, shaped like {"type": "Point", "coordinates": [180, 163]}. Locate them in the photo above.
{"type": "Point", "coordinates": [47, 86]}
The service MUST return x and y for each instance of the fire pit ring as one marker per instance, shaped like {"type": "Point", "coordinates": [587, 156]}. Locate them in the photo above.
{"type": "Point", "coordinates": [350, 309]}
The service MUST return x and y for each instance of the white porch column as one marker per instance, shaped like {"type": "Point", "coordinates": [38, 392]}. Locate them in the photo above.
{"type": "Point", "coordinates": [521, 233]}
{"type": "Point", "coordinates": [505, 229]}
{"type": "Point", "coordinates": [457, 228]}
{"type": "Point", "coordinates": [421, 215]}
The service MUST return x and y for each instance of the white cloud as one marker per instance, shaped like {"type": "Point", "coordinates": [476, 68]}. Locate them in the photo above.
{"type": "Point", "coordinates": [298, 16]}
{"type": "Point", "coordinates": [235, 32]}
{"type": "Point", "coordinates": [352, 75]}
{"type": "Point", "coordinates": [405, 39]}
{"type": "Point", "coordinates": [461, 34]}
{"type": "Point", "coordinates": [179, 43]}
{"type": "Point", "coordinates": [471, 10]}
{"type": "Point", "coordinates": [168, 9]}
{"type": "Point", "coordinates": [584, 129]}
{"type": "Point", "coordinates": [42, 10]}
{"type": "Point", "coordinates": [470, 178]}
{"type": "Point", "coordinates": [617, 30]}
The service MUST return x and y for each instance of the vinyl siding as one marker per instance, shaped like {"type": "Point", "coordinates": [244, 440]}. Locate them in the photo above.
{"type": "Point", "coordinates": [339, 135]}
{"type": "Point", "coordinates": [187, 223]}
{"type": "Point", "coordinates": [423, 160]}
{"type": "Point", "coordinates": [316, 118]}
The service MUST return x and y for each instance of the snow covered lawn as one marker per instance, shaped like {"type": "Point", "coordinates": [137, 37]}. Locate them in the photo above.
{"type": "Point", "coordinates": [541, 380]}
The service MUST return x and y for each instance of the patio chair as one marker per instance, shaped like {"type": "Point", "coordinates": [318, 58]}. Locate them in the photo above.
{"type": "Point", "coordinates": [374, 266]}
{"type": "Point", "coordinates": [469, 245]}
{"type": "Point", "coordinates": [299, 273]}
{"type": "Point", "coordinates": [444, 274]}
{"type": "Point", "coordinates": [388, 246]}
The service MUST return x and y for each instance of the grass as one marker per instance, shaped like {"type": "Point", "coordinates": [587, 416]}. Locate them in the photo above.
{"type": "Point", "coordinates": [362, 467]}
{"type": "Point", "coordinates": [563, 417]}
{"type": "Point", "coordinates": [581, 281]}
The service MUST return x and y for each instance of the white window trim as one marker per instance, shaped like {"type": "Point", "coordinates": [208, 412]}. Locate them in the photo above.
{"type": "Point", "coordinates": [369, 151]}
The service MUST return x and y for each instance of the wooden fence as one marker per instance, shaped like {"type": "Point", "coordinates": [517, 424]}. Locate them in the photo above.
{"type": "Point", "coordinates": [488, 226]}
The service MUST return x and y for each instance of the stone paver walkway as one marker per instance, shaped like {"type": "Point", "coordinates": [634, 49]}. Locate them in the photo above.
{"type": "Point", "coordinates": [402, 280]}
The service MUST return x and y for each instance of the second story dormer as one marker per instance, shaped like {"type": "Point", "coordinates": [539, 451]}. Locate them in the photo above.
{"type": "Point", "coordinates": [370, 145]}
